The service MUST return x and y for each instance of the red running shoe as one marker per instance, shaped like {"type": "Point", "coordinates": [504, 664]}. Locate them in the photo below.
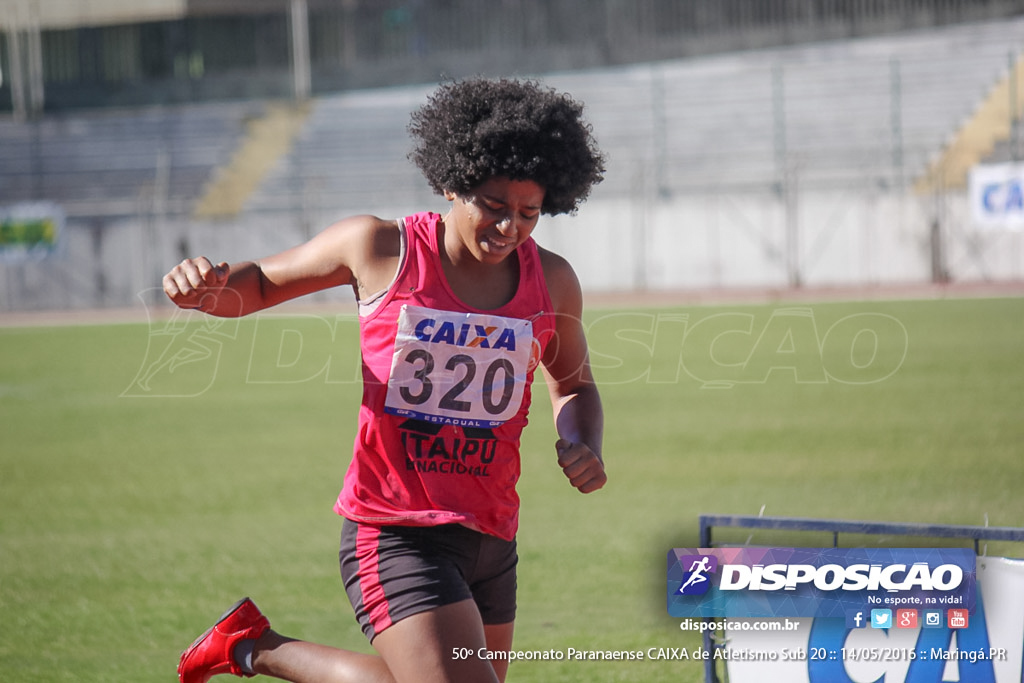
{"type": "Point", "coordinates": [212, 653]}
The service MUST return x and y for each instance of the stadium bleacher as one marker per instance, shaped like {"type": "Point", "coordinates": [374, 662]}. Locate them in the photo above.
{"type": "Point", "coordinates": [877, 108]}
{"type": "Point", "coordinates": [104, 163]}
{"type": "Point", "coordinates": [351, 153]}
{"type": "Point", "coordinates": [869, 112]}
{"type": "Point", "coordinates": [853, 108]}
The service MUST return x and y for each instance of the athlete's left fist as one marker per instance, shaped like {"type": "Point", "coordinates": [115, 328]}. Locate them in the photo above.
{"type": "Point", "coordinates": [581, 466]}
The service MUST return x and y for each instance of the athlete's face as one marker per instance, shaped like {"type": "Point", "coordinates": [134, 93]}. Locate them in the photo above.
{"type": "Point", "coordinates": [494, 219]}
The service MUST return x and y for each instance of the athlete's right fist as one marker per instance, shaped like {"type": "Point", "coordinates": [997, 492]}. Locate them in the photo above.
{"type": "Point", "coordinates": [192, 280]}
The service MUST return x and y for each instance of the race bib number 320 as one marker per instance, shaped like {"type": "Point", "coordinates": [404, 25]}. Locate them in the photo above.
{"type": "Point", "coordinates": [466, 369]}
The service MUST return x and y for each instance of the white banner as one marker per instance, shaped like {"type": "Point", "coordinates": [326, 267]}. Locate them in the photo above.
{"type": "Point", "coordinates": [996, 194]}
{"type": "Point", "coordinates": [989, 650]}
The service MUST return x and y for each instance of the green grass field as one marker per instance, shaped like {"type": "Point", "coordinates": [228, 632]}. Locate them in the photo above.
{"type": "Point", "coordinates": [151, 475]}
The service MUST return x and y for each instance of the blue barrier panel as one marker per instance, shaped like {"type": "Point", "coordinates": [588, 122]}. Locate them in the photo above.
{"type": "Point", "coordinates": [836, 527]}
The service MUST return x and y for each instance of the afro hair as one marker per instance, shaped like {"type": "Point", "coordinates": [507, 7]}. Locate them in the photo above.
{"type": "Point", "coordinates": [471, 131]}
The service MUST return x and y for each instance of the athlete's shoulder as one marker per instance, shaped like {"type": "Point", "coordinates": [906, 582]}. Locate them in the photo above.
{"type": "Point", "coordinates": [554, 265]}
{"type": "Point", "coordinates": [366, 236]}
{"type": "Point", "coordinates": [367, 245]}
{"type": "Point", "coordinates": [366, 225]}
{"type": "Point", "coordinates": [562, 282]}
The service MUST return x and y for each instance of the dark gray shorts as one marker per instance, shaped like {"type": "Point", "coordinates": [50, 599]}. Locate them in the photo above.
{"type": "Point", "coordinates": [393, 572]}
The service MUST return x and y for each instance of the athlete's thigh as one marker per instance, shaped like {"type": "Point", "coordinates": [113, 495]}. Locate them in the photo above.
{"type": "Point", "coordinates": [499, 639]}
{"type": "Point", "coordinates": [428, 647]}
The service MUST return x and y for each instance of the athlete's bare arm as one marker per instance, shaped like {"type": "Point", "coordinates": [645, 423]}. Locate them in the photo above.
{"type": "Point", "coordinates": [579, 417]}
{"type": "Point", "coordinates": [361, 251]}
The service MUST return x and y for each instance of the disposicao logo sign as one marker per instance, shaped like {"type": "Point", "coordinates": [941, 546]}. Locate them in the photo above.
{"type": "Point", "coordinates": [696, 580]}
{"type": "Point", "coordinates": [816, 582]}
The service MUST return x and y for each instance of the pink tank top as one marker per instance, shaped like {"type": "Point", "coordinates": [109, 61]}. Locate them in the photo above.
{"type": "Point", "coordinates": [446, 393]}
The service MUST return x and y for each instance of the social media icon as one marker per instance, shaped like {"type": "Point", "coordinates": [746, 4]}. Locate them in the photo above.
{"type": "Point", "coordinates": [958, 618]}
{"type": "Point", "coordinates": [856, 619]}
{"type": "Point", "coordinates": [933, 618]}
{"type": "Point", "coordinates": [906, 618]}
{"type": "Point", "coordinates": [881, 618]}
